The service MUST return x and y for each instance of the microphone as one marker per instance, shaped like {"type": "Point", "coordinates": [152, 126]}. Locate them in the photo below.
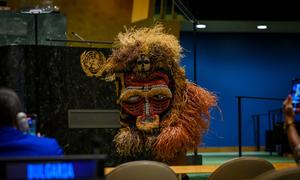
{"type": "Point", "coordinates": [77, 35]}
{"type": "Point", "coordinates": [81, 38]}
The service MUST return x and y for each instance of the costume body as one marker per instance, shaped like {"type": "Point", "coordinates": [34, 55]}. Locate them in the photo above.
{"type": "Point", "coordinates": [162, 114]}
{"type": "Point", "coordinates": [296, 154]}
{"type": "Point", "coordinates": [14, 143]}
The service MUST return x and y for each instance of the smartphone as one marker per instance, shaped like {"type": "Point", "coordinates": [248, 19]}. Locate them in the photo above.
{"type": "Point", "coordinates": [296, 93]}
{"type": "Point", "coordinates": [32, 123]}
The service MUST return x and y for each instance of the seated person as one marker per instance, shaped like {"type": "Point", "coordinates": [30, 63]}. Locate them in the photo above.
{"type": "Point", "coordinates": [293, 136]}
{"type": "Point", "coordinates": [14, 142]}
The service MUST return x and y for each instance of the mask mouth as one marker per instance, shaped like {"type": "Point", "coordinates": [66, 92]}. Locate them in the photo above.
{"type": "Point", "coordinates": [147, 122]}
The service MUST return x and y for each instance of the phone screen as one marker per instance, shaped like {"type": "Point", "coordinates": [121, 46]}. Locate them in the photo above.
{"type": "Point", "coordinates": [296, 94]}
{"type": "Point", "coordinates": [32, 121]}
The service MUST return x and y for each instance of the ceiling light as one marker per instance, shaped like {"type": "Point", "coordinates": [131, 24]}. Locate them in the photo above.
{"type": "Point", "coordinates": [201, 26]}
{"type": "Point", "coordinates": [262, 27]}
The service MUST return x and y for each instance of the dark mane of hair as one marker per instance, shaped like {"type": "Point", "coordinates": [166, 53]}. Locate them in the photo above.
{"type": "Point", "coordinates": [9, 107]}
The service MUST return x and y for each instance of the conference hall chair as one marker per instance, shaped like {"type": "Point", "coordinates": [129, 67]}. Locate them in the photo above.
{"type": "Point", "coordinates": [142, 170]}
{"type": "Point", "coordinates": [241, 168]}
{"type": "Point", "coordinates": [281, 174]}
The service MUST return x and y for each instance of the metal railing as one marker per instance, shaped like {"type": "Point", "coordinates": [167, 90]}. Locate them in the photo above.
{"type": "Point", "coordinates": [239, 99]}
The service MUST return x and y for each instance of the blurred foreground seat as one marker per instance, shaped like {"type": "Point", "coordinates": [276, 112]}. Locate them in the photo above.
{"type": "Point", "coordinates": [282, 174]}
{"type": "Point", "coordinates": [241, 168]}
{"type": "Point", "coordinates": [142, 170]}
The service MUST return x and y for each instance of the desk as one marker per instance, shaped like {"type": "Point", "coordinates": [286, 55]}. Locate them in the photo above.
{"type": "Point", "coordinates": [206, 169]}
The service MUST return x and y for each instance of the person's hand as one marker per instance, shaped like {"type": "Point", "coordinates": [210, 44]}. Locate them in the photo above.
{"type": "Point", "coordinates": [288, 110]}
{"type": "Point", "coordinates": [39, 134]}
{"type": "Point", "coordinates": [22, 122]}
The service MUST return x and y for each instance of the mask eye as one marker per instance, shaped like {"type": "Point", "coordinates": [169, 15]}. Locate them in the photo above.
{"type": "Point", "coordinates": [159, 97]}
{"type": "Point", "coordinates": [133, 99]}
{"type": "Point", "coordinates": [146, 61]}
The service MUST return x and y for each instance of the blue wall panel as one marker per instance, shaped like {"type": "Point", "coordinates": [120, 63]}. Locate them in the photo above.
{"type": "Point", "coordinates": [236, 64]}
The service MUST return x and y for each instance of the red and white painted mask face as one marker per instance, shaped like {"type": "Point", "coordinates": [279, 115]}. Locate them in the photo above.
{"type": "Point", "coordinates": [146, 99]}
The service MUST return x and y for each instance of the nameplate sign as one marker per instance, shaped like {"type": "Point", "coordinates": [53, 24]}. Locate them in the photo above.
{"type": "Point", "coordinates": [93, 118]}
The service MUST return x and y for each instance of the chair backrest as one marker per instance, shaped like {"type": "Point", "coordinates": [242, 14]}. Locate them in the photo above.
{"type": "Point", "coordinates": [281, 174]}
{"type": "Point", "coordinates": [142, 170]}
{"type": "Point", "coordinates": [241, 168]}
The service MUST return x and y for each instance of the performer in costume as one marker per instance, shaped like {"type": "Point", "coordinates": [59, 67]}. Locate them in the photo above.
{"type": "Point", "coordinates": [162, 114]}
